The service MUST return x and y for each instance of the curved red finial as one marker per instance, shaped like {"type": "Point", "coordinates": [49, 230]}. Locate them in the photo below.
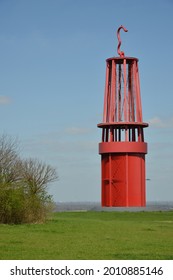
{"type": "Point", "coordinates": [121, 53]}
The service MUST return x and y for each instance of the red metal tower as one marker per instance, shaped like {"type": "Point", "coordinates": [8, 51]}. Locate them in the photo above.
{"type": "Point", "coordinates": [122, 148]}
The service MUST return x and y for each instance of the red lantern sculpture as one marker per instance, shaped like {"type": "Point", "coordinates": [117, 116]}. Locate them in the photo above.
{"type": "Point", "coordinates": [122, 148]}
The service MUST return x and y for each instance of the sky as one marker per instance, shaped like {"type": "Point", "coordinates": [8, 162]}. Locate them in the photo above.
{"type": "Point", "coordinates": [52, 76]}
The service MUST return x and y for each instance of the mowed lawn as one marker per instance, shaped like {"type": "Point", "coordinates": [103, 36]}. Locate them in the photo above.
{"type": "Point", "coordinates": [91, 235]}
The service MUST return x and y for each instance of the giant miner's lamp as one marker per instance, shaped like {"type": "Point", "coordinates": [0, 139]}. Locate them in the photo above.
{"type": "Point", "coordinates": [122, 148]}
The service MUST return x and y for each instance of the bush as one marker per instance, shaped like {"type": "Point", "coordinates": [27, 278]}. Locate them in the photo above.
{"type": "Point", "coordinates": [12, 204]}
{"type": "Point", "coordinates": [23, 186]}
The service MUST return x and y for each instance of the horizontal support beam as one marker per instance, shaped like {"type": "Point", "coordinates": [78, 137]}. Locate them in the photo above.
{"type": "Point", "coordinates": [119, 60]}
{"type": "Point", "coordinates": [122, 147]}
{"type": "Point", "coordinates": [122, 124]}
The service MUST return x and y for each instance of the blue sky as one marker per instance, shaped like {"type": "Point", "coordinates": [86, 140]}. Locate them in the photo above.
{"type": "Point", "coordinates": [52, 75]}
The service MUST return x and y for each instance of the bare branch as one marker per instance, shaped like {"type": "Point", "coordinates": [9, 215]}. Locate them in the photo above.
{"type": "Point", "coordinates": [37, 175]}
{"type": "Point", "coordinates": [9, 159]}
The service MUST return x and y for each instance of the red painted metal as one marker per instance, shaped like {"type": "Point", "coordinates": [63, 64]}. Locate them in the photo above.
{"type": "Point", "coordinates": [119, 40]}
{"type": "Point", "coordinates": [122, 148]}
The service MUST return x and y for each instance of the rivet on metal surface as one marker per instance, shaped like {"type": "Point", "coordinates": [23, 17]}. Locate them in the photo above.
{"type": "Point", "coordinates": [121, 53]}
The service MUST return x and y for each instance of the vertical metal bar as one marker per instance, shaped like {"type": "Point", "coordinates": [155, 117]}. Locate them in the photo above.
{"type": "Point", "coordinates": [115, 98]}
{"type": "Point", "coordinates": [144, 182]}
{"type": "Point", "coordinates": [119, 92]}
{"type": "Point", "coordinates": [132, 95]}
{"type": "Point", "coordinates": [130, 136]}
{"type": "Point", "coordinates": [133, 135]}
{"type": "Point", "coordinates": [115, 134]}
{"type": "Point", "coordinates": [125, 94]}
{"type": "Point", "coordinates": [113, 92]}
{"type": "Point", "coordinates": [119, 134]}
{"type": "Point", "coordinates": [129, 94]}
{"type": "Point", "coordinates": [107, 134]}
{"type": "Point", "coordinates": [111, 134]}
{"type": "Point", "coordinates": [138, 92]}
{"type": "Point", "coordinates": [139, 134]}
{"type": "Point", "coordinates": [142, 134]}
{"type": "Point", "coordinates": [110, 180]}
{"type": "Point", "coordinates": [125, 98]}
{"type": "Point", "coordinates": [106, 93]}
{"type": "Point", "coordinates": [127, 180]}
{"type": "Point", "coordinates": [103, 134]}
{"type": "Point", "coordinates": [109, 97]}
{"type": "Point", "coordinates": [126, 133]}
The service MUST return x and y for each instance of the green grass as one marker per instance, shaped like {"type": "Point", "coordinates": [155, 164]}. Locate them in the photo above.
{"type": "Point", "coordinates": [91, 235]}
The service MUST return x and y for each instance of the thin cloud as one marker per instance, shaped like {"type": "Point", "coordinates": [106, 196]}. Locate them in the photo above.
{"type": "Point", "coordinates": [161, 123]}
{"type": "Point", "coordinates": [4, 100]}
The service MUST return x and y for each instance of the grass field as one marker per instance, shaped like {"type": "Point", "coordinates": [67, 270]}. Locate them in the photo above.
{"type": "Point", "coordinates": [91, 235]}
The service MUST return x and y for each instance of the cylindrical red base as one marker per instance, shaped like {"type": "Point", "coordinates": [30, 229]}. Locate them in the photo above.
{"type": "Point", "coordinates": [123, 180]}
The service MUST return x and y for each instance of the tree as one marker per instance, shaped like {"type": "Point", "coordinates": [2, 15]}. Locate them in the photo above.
{"type": "Point", "coordinates": [9, 160]}
{"type": "Point", "coordinates": [23, 185]}
{"type": "Point", "coordinates": [36, 175]}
